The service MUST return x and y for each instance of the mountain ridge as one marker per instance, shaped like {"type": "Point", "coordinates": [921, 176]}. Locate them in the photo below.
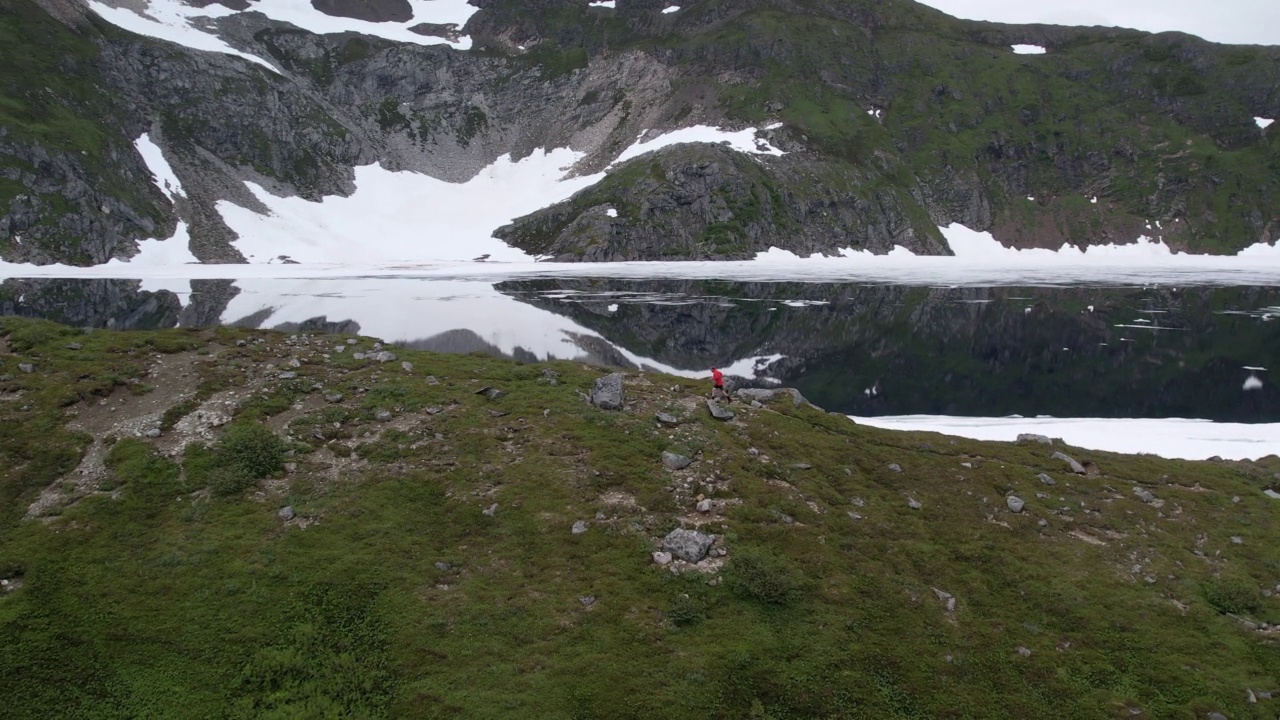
{"type": "Point", "coordinates": [930, 121]}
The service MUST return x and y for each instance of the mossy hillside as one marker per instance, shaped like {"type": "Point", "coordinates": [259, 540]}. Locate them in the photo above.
{"type": "Point", "coordinates": [392, 592]}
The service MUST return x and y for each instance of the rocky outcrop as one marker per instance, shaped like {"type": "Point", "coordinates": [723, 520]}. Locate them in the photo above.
{"type": "Point", "coordinates": [709, 202]}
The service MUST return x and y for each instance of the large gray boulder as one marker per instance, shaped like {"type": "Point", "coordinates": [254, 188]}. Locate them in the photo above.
{"type": "Point", "coordinates": [675, 461]}
{"type": "Point", "coordinates": [607, 393]}
{"type": "Point", "coordinates": [718, 412]}
{"type": "Point", "coordinates": [1076, 467]}
{"type": "Point", "coordinates": [765, 395]}
{"type": "Point", "coordinates": [688, 545]}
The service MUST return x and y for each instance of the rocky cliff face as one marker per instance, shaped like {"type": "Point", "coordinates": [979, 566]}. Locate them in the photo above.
{"type": "Point", "coordinates": [895, 119]}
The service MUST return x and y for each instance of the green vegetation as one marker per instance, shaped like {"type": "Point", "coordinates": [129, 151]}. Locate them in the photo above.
{"type": "Point", "coordinates": [390, 592]}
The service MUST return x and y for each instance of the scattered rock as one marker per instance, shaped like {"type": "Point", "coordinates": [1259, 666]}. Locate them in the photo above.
{"type": "Point", "coordinates": [291, 467]}
{"type": "Point", "coordinates": [1144, 495]}
{"type": "Point", "coordinates": [1032, 437]}
{"type": "Point", "coordinates": [491, 510]}
{"type": "Point", "coordinates": [718, 412]}
{"type": "Point", "coordinates": [895, 467]}
{"type": "Point", "coordinates": [1044, 478]}
{"type": "Point", "coordinates": [914, 504]}
{"type": "Point", "coordinates": [358, 356]}
{"type": "Point", "coordinates": [407, 366]}
{"type": "Point", "coordinates": [1091, 469]}
{"type": "Point", "coordinates": [351, 341]}
{"type": "Point", "coordinates": [295, 363]}
{"type": "Point", "coordinates": [662, 558]}
{"type": "Point", "coordinates": [333, 397]}
{"type": "Point", "coordinates": [579, 527]}
{"type": "Point", "coordinates": [587, 600]}
{"type": "Point", "coordinates": [1024, 652]}
{"type": "Point", "coordinates": [492, 393]}
{"type": "Point", "coordinates": [704, 506]}
{"type": "Point", "coordinates": [1015, 503]}
{"type": "Point", "coordinates": [286, 513]}
{"type": "Point", "coordinates": [1076, 467]}
{"type": "Point", "coordinates": [675, 461]}
{"type": "Point", "coordinates": [667, 419]}
{"type": "Point", "coordinates": [288, 375]}
{"type": "Point", "coordinates": [443, 566]}
{"type": "Point", "coordinates": [606, 394]}
{"type": "Point", "coordinates": [340, 349]}
{"type": "Point", "coordinates": [241, 343]}
{"type": "Point", "coordinates": [26, 367]}
{"type": "Point", "coordinates": [1237, 540]}
{"type": "Point", "coordinates": [1217, 716]}
{"type": "Point", "coordinates": [384, 356]}
{"type": "Point", "coordinates": [382, 415]}
{"type": "Point", "coordinates": [75, 346]}
{"type": "Point", "coordinates": [801, 466]}
{"type": "Point", "coordinates": [154, 433]}
{"type": "Point", "coordinates": [431, 380]}
{"type": "Point", "coordinates": [947, 599]}
{"type": "Point", "coordinates": [688, 545]}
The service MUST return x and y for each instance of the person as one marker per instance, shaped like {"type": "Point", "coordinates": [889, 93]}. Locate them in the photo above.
{"type": "Point", "coordinates": [717, 379]}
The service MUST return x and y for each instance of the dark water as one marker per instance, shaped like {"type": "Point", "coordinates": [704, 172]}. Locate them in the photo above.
{"type": "Point", "coordinates": [858, 349]}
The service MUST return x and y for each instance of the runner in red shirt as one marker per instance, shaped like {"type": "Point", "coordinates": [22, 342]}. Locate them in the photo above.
{"type": "Point", "coordinates": [717, 378]}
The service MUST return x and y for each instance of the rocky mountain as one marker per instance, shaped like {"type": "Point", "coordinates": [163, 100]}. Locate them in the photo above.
{"type": "Point", "coordinates": [890, 118]}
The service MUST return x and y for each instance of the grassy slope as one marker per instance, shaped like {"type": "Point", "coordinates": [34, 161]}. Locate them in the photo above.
{"type": "Point", "coordinates": [166, 600]}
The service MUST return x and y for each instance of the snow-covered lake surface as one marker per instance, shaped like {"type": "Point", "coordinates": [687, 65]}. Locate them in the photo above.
{"type": "Point", "coordinates": [1171, 438]}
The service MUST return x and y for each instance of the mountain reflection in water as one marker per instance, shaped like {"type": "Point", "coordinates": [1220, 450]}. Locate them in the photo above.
{"type": "Point", "coordinates": [1198, 352]}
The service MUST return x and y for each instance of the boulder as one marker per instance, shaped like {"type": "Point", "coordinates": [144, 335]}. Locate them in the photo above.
{"type": "Point", "coordinates": [675, 461]}
{"type": "Point", "coordinates": [384, 356]}
{"type": "Point", "coordinates": [286, 513]}
{"type": "Point", "coordinates": [1015, 503]}
{"type": "Point", "coordinates": [607, 392]}
{"type": "Point", "coordinates": [443, 566]}
{"type": "Point", "coordinates": [490, 392]}
{"type": "Point", "coordinates": [382, 415]}
{"type": "Point", "coordinates": [579, 527]}
{"type": "Point", "coordinates": [491, 510]}
{"type": "Point", "coordinates": [667, 419]}
{"type": "Point", "coordinates": [288, 375]}
{"type": "Point", "coordinates": [26, 367]}
{"type": "Point", "coordinates": [765, 395]}
{"type": "Point", "coordinates": [1032, 437]}
{"type": "Point", "coordinates": [1144, 495]}
{"type": "Point", "coordinates": [688, 545]}
{"type": "Point", "coordinates": [1076, 467]}
{"type": "Point", "coordinates": [718, 412]}
{"type": "Point", "coordinates": [407, 366]}
{"type": "Point", "coordinates": [895, 467]}
{"type": "Point", "coordinates": [662, 558]}
{"type": "Point", "coordinates": [1044, 478]}
{"type": "Point", "coordinates": [153, 433]}
{"type": "Point", "coordinates": [333, 397]}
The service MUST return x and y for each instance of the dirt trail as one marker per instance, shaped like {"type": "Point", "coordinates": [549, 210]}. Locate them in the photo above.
{"type": "Point", "coordinates": [174, 379]}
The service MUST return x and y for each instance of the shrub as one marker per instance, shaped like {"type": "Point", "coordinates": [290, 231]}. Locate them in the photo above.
{"type": "Point", "coordinates": [1231, 596]}
{"type": "Point", "coordinates": [686, 611]}
{"type": "Point", "coordinates": [761, 576]}
{"type": "Point", "coordinates": [252, 449]}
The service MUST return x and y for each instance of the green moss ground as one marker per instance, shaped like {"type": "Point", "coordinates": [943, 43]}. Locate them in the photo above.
{"type": "Point", "coordinates": [155, 597]}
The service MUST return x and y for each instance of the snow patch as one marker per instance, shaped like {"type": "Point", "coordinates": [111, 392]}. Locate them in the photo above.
{"type": "Point", "coordinates": [1253, 382]}
{"type": "Point", "coordinates": [1263, 123]}
{"type": "Point", "coordinates": [178, 22]}
{"type": "Point", "coordinates": [1170, 438]}
{"type": "Point", "coordinates": [611, 213]}
{"type": "Point", "coordinates": [171, 21]}
{"type": "Point", "coordinates": [408, 217]}
{"type": "Point", "coordinates": [670, 9]}
{"type": "Point", "coordinates": [162, 173]}
{"type": "Point", "coordinates": [603, 3]}
{"type": "Point", "coordinates": [1028, 50]}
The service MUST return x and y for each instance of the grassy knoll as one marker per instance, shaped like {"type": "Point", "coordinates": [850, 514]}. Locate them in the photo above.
{"type": "Point", "coordinates": [426, 566]}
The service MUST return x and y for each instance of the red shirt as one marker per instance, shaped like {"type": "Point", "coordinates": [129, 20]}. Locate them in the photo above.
{"type": "Point", "coordinates": [718, 378]}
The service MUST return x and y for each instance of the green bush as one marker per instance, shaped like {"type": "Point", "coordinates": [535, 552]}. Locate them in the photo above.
{"type": "Point", "coordinates": [1231, 596]}
{"type": "Point", "coordinates": [686, 611]}
{"type": "Point", "coordinates": [762, 576]}
{"type": "Point", "coordinates": [252, 449]}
